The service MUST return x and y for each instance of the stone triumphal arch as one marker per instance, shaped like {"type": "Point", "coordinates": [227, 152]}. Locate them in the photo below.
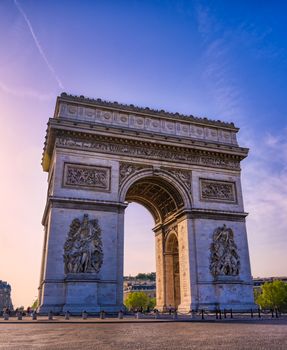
{"type": "Point", "coordinates": [185, 170]}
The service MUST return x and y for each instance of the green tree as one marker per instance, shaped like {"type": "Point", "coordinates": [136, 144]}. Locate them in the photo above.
{"type": "Point", "coordinates": [35, 304]}
{"type": "Point", "coordinates": [152, 303]}
{"type": "Point", "coordinates": [146, 276]}
{"type": "Point", "coordinates": [274, 295]}
{"type": "Point", "coordinates": [136, 300]}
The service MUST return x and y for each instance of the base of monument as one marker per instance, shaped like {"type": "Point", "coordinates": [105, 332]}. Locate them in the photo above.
{"type": "Point", "coordinates": [45, 309]}
{"type": "Point", "coordinates": [186, 308]}
{"type": "Point", "coordinates": [77, 309]}
{"type": "Point", "coordinates": [244, 307]}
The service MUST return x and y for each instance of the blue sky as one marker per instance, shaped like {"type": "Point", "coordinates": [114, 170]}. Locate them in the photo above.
{"type": "Point", "coordinates": [224, 60]}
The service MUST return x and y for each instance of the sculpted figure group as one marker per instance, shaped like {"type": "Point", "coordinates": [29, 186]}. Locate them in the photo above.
{"type": "Point", "coordinates": [83, 248]}
{"type": "Point", "coordinates": [224, 257]}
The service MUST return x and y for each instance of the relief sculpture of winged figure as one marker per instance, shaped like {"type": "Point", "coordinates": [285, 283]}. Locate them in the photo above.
{"type": "Point", "coordinates": [224, 259]}
{"type": "Point", "coordinates": [83, 252]}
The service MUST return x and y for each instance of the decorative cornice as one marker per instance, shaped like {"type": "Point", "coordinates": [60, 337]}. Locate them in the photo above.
{"type": "Point", "coordinates": [82, 203]}
{"type": "Point", "coordinates": [197, 213]}
{"type": "Point", "coordinates": [211, 214]}
{"type": "Point", "coordinates": [146, 110]}
{"type": "Point", "coordinates": [147, 150]}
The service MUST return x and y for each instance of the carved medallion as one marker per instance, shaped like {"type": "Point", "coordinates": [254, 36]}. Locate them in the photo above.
{"type": "Point", "coordinates": [89, 177]}
{"type": "Point", "coordinates": [224, 259]}
{"type": "Point", "coordinates": [83, 251]}
{"type": "Point", "coordinates": [221, 191]}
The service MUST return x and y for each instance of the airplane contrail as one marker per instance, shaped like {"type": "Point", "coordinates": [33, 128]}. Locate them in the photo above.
{"type": "Point", "coordinates": [39, 47]}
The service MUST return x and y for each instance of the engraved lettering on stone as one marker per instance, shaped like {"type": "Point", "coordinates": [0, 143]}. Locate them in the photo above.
{"type": "Point", "coordinates": [216, 190]}
{"type": "Point", "coordinates": [150, 153]}
{"type": "Point", "coordinates": [83, 252]}
{"type": "Point", "coordinates": [87, 176]}
{"type": "Point", "coordinates": [224, 258]}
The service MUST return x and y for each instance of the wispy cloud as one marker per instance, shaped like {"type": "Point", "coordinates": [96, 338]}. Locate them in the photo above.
{"type": "Point", "coordinates": [264, 174]}
{"type": "Point", "coordinates": [217, 74]}
{"type": "Point", "coordinates": [265, 189]}
{"type": "Point", "coordinates": [24, 92]}
{"type": "Point", "coordinates": [38, 45]}
{"type": "Point", "coordinates": [259, 43]}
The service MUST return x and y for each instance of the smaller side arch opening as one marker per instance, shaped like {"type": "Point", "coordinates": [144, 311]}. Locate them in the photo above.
{"type": "Point", "coordinates": [172, 279]}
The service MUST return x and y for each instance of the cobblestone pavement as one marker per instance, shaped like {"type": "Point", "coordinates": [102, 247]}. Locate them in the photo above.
{"type": "Point", "coordinates": [145, 335]}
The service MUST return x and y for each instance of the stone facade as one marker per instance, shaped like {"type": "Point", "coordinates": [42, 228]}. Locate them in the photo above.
{"type": "Point", "coordinates": [185, 170]}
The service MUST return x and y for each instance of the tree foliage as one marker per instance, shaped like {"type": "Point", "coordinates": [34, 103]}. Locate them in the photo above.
{"type": "Point", "coordinates": [274, 295]}
{"type": "Point", "coordinates": [35, 304]}
{"type": "Point", "coordinates": [152, 303]}
{"type": "Point", "coordinates": [146, 276]}
{"type": "Point", "coordinates": [138, 300]}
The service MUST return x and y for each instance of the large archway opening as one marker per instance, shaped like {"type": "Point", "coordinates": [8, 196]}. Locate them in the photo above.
{"type": "Point", "coordinates": [156, 194]}
{"type": "Point", "coordinates": [164, 202]}
{"type": "Point", "coordinates": [139, 241]}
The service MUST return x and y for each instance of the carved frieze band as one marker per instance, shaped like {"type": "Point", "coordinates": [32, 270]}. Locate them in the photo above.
{"type": "Point", "coordinates": [149, 152]}
{"type": "Point", "coordinates": [219, 191]}
{"type": "Point", "coordinates": [87, 177]}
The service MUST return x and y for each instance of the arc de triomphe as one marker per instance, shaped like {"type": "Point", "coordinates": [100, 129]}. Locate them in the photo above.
{"type": "Point", "coordinates": [185, 170]}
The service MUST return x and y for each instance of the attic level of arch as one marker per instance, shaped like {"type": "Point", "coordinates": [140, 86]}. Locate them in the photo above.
{"type": "Point", "coordinates": [113, 130]}
{"type": "Point", "coordinates": [85, 101]}
{"type": "Point", "coordinates": [201, 153]}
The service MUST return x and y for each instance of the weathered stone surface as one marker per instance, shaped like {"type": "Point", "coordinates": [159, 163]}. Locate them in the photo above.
{"type": "Point", "coordinates": [185, 171]}
{"type": "Point", "coordinates": [83, 250]}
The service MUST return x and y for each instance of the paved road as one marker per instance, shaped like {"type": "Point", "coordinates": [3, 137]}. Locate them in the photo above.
{"type": "Point", "coordinates": [144, 335]}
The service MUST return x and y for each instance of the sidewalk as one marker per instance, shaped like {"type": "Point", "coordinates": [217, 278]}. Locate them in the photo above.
{"type": "Point", "coordinates": [141, 319]}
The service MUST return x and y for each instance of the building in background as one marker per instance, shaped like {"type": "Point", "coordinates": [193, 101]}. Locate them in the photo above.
{"type": "Point", "coordinates": [134, 284]}
{"type": "Point", "coordinates": [259, 281]}
{"type": "Point", "coordinates": [5, 296]}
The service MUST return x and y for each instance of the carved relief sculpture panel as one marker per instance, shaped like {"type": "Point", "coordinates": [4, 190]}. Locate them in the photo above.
{"type": "Point", "coordinates": [128, 169]}
{"type": "Point", "coordinates": [83, 251]}
{"type": "Point", "coordinates": [224, 258]}
{"type": "Point", "coordinates": [182, 175]}
{"type": "Point", "coordinates": [87, 177]}
{"type": "Point", "coordinates": [219, 191]}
